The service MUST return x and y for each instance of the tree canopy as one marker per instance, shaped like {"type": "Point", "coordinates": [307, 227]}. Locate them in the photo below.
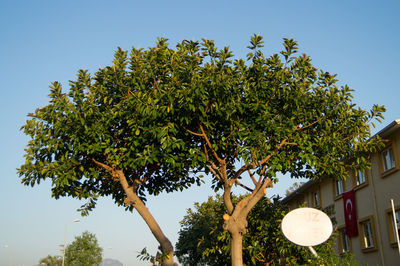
{"type": "Point", "coordinates": [51, 261]}
{"type": "Point", "coordinates": [293, 187]}
{"type": "Point", "coordinates": [84, 251]}
{"type": "Point", "coordinates": [114, 120]}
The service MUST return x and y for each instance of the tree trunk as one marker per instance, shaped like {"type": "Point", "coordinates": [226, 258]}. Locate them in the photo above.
{"type": "Point", "coordinates": [165, 244]}
{"type": "Point", "coordinates": [236, 223]}
{"type": "Point", "coordinates": [237, 227]}
{"type": "Point", "coordinates": [236, 249]}
{"type": "Point", "coordinates": [132, 198]}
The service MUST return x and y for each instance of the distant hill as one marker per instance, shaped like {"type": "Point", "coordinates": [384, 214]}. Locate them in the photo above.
{"type": "Point", "coordinates": [111, 262]}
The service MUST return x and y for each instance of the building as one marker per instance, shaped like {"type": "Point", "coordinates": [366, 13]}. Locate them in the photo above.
{"type": "Point", "coordinates": [375, 242]}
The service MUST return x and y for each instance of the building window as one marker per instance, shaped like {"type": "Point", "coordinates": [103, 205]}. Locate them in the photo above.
{"type": "Point", "coordinates": [388, 161]}
{"type": "Point", "coordinates": [368, 241]}
{"type": "Point", "coordinates": [367, 234]}
{"type": "Point", "coordinates": [330, 211]}
{"type": "Point", "coordinates": [339, 187]}
{"type": "Point", "coordinates": [316, 199]}
{"type": "Point", "coordinates": [397, 224]}
{"type": "Point", "coordinates": [344, 243]}
{"type": "Point", "coordinates": [391, 224]}
{"type": "Point", "coordinates": [360, 178]}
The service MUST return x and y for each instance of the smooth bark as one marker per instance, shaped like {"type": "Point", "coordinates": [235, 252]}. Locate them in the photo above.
{"type": "Point", "coordinates": [236, 222]}
{"type": "Point", "coordinates": [236, 249]}
{"type": "Point", "coordinates": [132, 198]}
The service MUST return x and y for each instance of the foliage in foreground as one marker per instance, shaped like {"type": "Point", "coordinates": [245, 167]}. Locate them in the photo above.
{"type": "Point", "coordinates": [84, 251]}
{"type": "Point", "coordinates": [203, 241]}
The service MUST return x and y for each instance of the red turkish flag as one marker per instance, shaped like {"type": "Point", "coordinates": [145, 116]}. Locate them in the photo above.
{"type": "Point", "coordinates": [350, 213]}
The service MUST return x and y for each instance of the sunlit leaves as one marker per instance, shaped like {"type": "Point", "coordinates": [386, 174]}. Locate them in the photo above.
{"type": "Point", "coordinates": [119, 116]}
{"type": "Point", "coordinates": [144, 115]}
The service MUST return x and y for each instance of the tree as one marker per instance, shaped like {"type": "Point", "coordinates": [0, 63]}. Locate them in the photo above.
{"type": "Point", "coordinates": [203, 241]}
{"type": "Point", "coordinates": [152, 121]}
{"type": "Point", "coordinates": [293, 188]}
{"type": "Point", "coordinates": [51, 261]}
{"type": "Point", "coordinates": [248, 121]}
{"type": "Point", "coordinates": [84, 250]}
{"type": "Point", "coordinates": [110, 134]}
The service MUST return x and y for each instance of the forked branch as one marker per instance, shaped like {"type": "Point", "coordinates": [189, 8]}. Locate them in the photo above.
{"type": "Point", "coordinates": [107, 168]}
{"type": "Point", "coordinates": [204, 136]}
{"type": "Point", "coordinates": [104, 166]}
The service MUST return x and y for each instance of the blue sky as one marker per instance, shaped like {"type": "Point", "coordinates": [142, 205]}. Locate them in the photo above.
{"type": "Point", "coordinates": [45, 41]}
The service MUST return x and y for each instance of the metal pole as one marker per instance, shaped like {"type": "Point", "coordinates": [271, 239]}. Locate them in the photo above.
{"type": "Point", "coordinates": [395, 225]}
{"type": "Point", "coordinates": [313, 251]}
{"type": "Point", "coordinates": [65, 236]}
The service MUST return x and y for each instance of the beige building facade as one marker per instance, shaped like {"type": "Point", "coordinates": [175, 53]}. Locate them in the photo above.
{"type": "Point", "coordinates": [374, 189]}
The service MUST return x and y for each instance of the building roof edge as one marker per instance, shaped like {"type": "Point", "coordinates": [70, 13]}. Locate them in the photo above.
{"type": "Point", "coordinates": [388, 129]}
{"type": "Point", "coordinates": [395, 124]}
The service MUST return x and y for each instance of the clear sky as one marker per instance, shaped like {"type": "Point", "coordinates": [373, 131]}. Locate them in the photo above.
{"type": "Point", "coordinates": [45, 41]}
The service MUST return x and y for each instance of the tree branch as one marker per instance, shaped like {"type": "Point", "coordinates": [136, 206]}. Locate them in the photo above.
{"type": "Point", "coordinates": [215, 173]}
{"type": "Point", "coordinates": [227, 198]}
{"type": "Point", "coordinates": [252, 178]}
{"type": "Point", "coordinates": [209, 145]}
{"type": "Point", "coordinates": [250, 201]}
{"type": "Point", "coordinates": [278, 147]}
{"type": "Point", "coordinates": [262, 162]}
{"type": "Point", "coordinates": [305, 127]}
{"type": "Point", "coordinates": [254, 157]}
{"type": "Point", "coordinates": [242, 169]}
{"type": "Point", "coordinates": [205, 151]}
{"type": "Point", "coordinates": [243, 186]}
{"type": "Point", "coordinates": [193, 133]}
{"type": "Point", "coordinates": [102, 165]}
{"type": "Point", "coordinates": [262, 172]}
{"type": "Point", "coordinates": [107, 168]}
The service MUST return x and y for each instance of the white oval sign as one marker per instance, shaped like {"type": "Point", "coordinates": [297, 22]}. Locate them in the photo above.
{"type": "Point", "coordinates": [306, 227]}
